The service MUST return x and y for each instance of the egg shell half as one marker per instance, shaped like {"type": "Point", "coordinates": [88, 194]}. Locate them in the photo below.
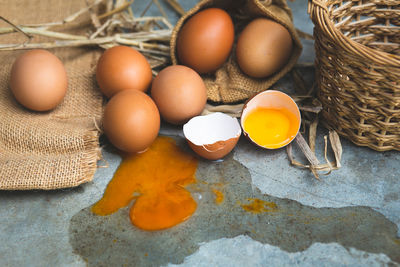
{"type": "Point", "coordinates": [270, 99]}
{"type": "Point", "coordinates": [212, 136]}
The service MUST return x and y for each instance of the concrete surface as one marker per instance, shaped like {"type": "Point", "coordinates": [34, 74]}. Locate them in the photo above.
{"type": "Point", "coordinates": [349, 218]}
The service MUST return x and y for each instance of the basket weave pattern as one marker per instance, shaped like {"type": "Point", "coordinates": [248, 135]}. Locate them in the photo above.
{"type": "Point", "coordinates": [357, 47]}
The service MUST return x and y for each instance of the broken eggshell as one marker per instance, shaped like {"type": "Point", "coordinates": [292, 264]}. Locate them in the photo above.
{"type": "Point", "coordinates": [212, 136]}
{"type": "Point", "coordinates": [272, 99]}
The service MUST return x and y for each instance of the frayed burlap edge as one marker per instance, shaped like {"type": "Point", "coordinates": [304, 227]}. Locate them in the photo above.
{"type": "Point", "coordinates": [13, 179]}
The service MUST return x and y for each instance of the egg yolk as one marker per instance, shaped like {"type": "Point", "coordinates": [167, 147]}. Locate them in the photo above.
{"type": "Point", "coordinates": [155, 179]}
{"type": "Point", "coordinates": [271, 128]}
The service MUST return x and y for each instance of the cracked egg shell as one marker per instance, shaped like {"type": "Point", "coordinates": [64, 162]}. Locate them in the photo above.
{"type": "Point", "coordinates": [212, 136]}
{"type": "Point", "coordinates": [279, 118]}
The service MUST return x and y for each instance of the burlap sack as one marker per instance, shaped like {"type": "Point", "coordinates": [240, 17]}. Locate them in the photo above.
{"type": "Point", "coordinates": [55, 149]}
{"type": "Point", "coordinates": [229, 84]}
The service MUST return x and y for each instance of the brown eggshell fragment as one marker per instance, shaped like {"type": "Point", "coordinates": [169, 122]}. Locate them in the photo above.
{"type": "Point", "coordinates": [205, 40]}
{"type": "Point", "coordinates": [212, 136]}
{"type": "Point", "coordinates": [179, 93]}
{"type": "Point", "coordinates": [131, 121]}
{"type": "Point", "coordinates": [263, 48]}
{"type": "Point", "coordinates": [122, 68]}
{"type": "Point", "coordinates": [38, 80]}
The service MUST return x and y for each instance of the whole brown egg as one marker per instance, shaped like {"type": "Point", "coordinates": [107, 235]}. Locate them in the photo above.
{"type": "Point", "coordinates": [131, 121]}
{"type": "Point", "coordinates": [179, 93]}
{"type": "Point", "coordinates": [38, 80]}
{"type": "Point", "coordinates": [205, 40]}
{"type": "Point", "coordinates": [263, 48]}
{"type": "Point", "coordinates": [122, 68]}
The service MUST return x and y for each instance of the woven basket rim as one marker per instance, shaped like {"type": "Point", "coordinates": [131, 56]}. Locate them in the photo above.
{"type": "Point", "coordinates": [318, 11]}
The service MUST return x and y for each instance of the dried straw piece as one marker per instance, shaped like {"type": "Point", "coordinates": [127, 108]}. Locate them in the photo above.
{"type": "Point", "coordinates": [232, 110]}
{"type": "Point", "coordinates": [292, 160]}
{"type": "Point", "coordinates": [100, 29]}
{"type": "Point", "coordinates": [42, 32]}
{"type": "Point", "coordinates": [326, 155]}
{"type": "Point", "coordinates": [314, 165]}
{"type": "Point", "coordinates": [109, 5]}
{"type": "Point", "coordinates": [95, 21]}
{"type": "Point", "coordinates": [311, 109]}
{"type": "Point", "coordinates": [116, 10]}
{"type": "Point", "coordinates": [301, 142]}
{"type": "Point", "coordinates": [336, 147]}
{"type": "Point", "coordinates": [176, 6]}
{"type": "Point", "coordinates": [304, 35]}
{"type": "Point", "coordinates": [15, 27]}
{"type": "Point", "coordinates": [162, 11]}
{"type": "Point", "coordinates": [146, 8]}
{"type": "Point", "coordinates": [156, 49]}
{"type": "Point", "coordinates": [313, 134]}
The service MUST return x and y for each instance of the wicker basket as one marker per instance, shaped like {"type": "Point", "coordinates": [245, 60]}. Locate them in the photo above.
{"type": "Point", "coordinates": [357, 47]}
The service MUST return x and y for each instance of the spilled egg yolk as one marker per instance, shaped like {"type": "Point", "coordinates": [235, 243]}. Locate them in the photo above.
{"type": "Point", "coordinates": [271, 128]}
{"type": "Point", "coordinates": [155, 179]}
{"type": "Point", "coordinates": [219, 196]}
{"type": "Point", "coordinates": [258, 205]}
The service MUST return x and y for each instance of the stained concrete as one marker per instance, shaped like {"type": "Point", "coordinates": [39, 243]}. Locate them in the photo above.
{"type": "Point", "coordinates": [286, 224]}
{"type": "Point", "coordinates": [350, 217]}
{"type": "Point", "coordinates": [231, 253]}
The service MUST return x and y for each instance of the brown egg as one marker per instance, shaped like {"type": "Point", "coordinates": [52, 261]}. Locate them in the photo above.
{"type": "Point", "coordinates": [131, 121]}
{"type": "Point", "coordinates": [38, 80]}
{"type": "Point", "coordinates": [263, 48]}
{"type": "Point", "coordinates": [122, 68]}
{"type": "Point", "coordinates": [205, 40]}
{"type": "Point", "coordinates": [212, 136]}
{"type": "Point", "coordinates": [179, 93]}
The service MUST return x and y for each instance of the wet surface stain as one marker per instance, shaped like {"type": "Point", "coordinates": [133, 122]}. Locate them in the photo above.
{"type": "Point", "coordinates": [219, 196]}
{"type": "Point", "coordinates": [258, 205]}
{"type": "Point", "coordinates": [112, 240]}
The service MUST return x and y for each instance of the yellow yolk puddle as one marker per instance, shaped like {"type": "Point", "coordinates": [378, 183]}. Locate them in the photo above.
{"type": "Point", "coordinates": [156, 180]}
{"type": "Point", "coordinates": [271, 128]}
{"type": "Point", "coordinates": [258, 206]}
{"type": "Point", "coordinates": [219, 196]}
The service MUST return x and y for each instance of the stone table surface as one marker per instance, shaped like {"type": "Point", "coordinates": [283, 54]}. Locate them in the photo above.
{"type": "Point", "coordinates": [349, 217]}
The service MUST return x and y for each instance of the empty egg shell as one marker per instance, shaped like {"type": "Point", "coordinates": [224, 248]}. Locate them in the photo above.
{"type": "Point", "coordinates": [212, 136]}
